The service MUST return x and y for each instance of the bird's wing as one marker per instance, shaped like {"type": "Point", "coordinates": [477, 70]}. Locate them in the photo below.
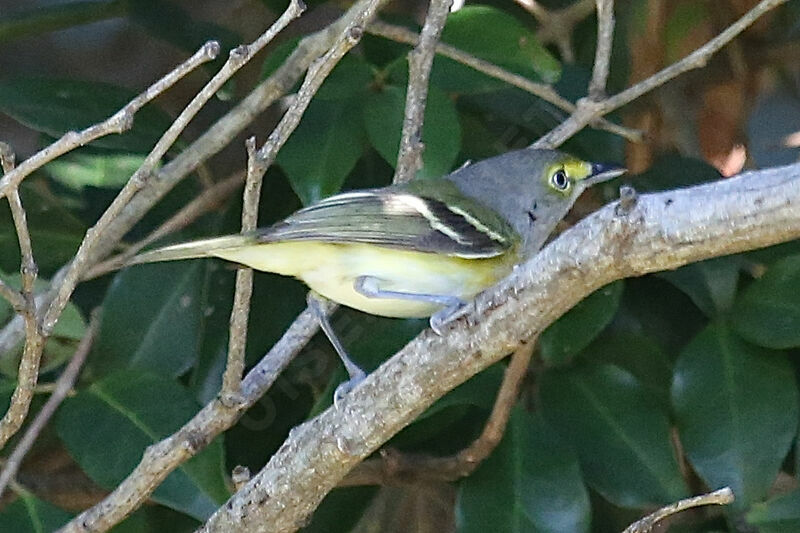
{"type": "Point", "coordinates": [442, 221]}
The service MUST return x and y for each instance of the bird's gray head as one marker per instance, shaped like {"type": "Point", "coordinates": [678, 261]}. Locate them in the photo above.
{"type": "Point", "coordinates": [532, 188]}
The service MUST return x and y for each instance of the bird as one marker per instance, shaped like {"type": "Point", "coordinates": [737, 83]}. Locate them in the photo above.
{"type": "Point", "coordinates": [418, 249]}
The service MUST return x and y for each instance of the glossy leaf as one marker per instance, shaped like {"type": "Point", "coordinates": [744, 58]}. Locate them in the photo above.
{"type": "Point", "coordinates": [767, 313]}
{"type": "Point", "coordinates": [495, 36]}
{"type": "Point", "coordinates": [710, 284]}
{"type": "Point", "coordinates": [29, 513]}
{"type": "Point", "coordinates": [107, 427]}
{"type": "Point", "coordinates": [56, 106]}
{"type": "Point", "coordinates": [441, 132]}
{"type": "Point", "coordinates": [780, 514]}
{"type": "Point", "coordinates": [736, 411]}
{"type": "Point", "coordinates": [580, 325]}
{"type": "Point", "coordinates": [323, 149]}
{"type": "Point", "coordinates": [620, 432]}
{"type": "Point", "coordinates": [530, 483]}
{"type": "Point", "coordinates": [152, 318]}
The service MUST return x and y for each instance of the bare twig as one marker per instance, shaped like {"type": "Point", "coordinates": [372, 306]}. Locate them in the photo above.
{"type": "Point", "coordinates": [557, 25]}
{"type": "Point", "coordinates": [602, 57]}
{"type": "Point", "coordinates": [394, 468]}
{"type": "Point", "coordinates": [545, 92]}
{"type": "Point", "coordinates": [420, 61]}
{"type": "Point", "coordinates": [237, 336]}
{"type": "Point", "coordinates": [14, 297]}
{"type": "Point", "coordinates": [722, 496]}
{"type": "Point", "coordinates": [662, 231]}
{"type": "Point", "coordinates": [63, 385]}
{"type": "Point", "coordinates": [588, 110]}
{"type": "Point", "coordinates": [28, 372]}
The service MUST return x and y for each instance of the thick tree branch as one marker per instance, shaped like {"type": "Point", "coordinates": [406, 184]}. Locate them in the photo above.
{"type": "Point", "coordinates": [657, 232]}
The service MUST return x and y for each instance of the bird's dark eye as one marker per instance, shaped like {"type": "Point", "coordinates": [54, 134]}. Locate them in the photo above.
{"type": "Point", "coordinates": [559, 180]}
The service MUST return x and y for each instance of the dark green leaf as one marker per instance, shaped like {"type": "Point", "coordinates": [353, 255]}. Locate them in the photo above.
{"type": "Point", "coordinates": [530, 483]}
{"type": "Point", "coordinates": [620, 432]}
{"type": "Point", "coordinates": [441, 133]}
{"type": "Point", "coordinates": [767, 313]}
{"type": "Point", "coordinates": [27, 22]}
{"type": "Point", "coordinates": [780, 514]}
{"type": "Point", "coordinates": [637, 353]}
{"type": "Point", "coordinates": [710, 284]}
{"type": "Point", "coordinates": [29, 513]}
{"type": "Point", "coordinates": [107, 427]}
{"type": "Point", "coordinates": [152, 318]}
{"type": "Point", "coordinates": [580, 325]}
{"type": "Point", "coordinates": [323, 149]}
{"type": "Point", "coordinates": [736, 411]}
{"type": "Point", "coordinates": [494, 36]}
{"type": "Point", "coordinates": [56, 106]}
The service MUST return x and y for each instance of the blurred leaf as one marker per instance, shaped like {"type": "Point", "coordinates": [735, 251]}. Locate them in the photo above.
{"type": "Point", "coordinates": [37, 20]}
{"type": "Point", "coordinates": [620, 432]}
{"type": "Point", "coordinates": [349, 79]}
{"type": "Point", "coordinates": [637, 353]}
{"type": "Point", "coordinates": [673, 172]}
{"type": "Point", "coordinates": [686, 18]}
{"type": "Point", "coordinates": [323, 149]}
{"type": "Point", "coordinates": [77, 170]}
{"type": "Point", "coordinates": [780, 514]}
{"type": "Point", "coordinates": [479, 391]}
{"type": "Point", "coordinates": [152, 319]}
{"type": "Point", "coordinates": [531, 482]}
{"type": "Point", "coordinates": [340, 510]}
{"type": "Point", "coordinates": [55, 232]}
{"type": "Point", "coordinates": [494, 36]}
{"type": "Point", "coordinates": [56, 106]}
{"type": "Point", "coordinates": [170, 22]}
{"type": "Point", "coordinates": [710, 284]}
{"type": "Point", "coordinates": [580, 325]}
{"type": "Point", "coordinates": [29, 513]}
{"type": "Point", "coordinates": [775, 116]}
{"type": "Point", "coordinates": [441, 132]}
{"type": "Point", "coordinates": [767, 313]}
{"type": "Point", "coordinates": [736, 412]}
{"type": "Point", "coordinates": [107, 427]}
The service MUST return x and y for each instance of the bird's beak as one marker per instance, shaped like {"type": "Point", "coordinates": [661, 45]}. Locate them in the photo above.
{"type": "Point", "coordinates": [603, 172]}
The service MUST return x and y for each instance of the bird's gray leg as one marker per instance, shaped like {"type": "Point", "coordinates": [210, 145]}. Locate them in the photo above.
{"type": "Point", "coordinates": [356, 374]}
{"type": "Point", "coordinates": [454, 307]}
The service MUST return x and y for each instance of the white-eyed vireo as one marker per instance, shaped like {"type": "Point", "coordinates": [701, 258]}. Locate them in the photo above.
{"type": "Point", "coordinates": [417, 249]}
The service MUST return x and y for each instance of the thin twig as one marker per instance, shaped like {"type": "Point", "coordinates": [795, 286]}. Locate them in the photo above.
{"type": "Point", "coordinates": [589, 110]}
{"type": "Point", "coordinates": [237, 336]}
{"type": "Point", "coordinates": [394, 467]}
{"type": "Point", "coordinates": [420, 61]}
{"type": "Point", "coordinates": [62, 388]}
{"type": "Point", "coordinates": [14, 297]}
{"type": "Point", "coordinates": [557, 26]}
{"type": "Point", "coordinates": [545, 92]}
{"type": "Point", "coordinates": [28, 372]}
{"type": "Point", "coordinates": [602, 57]}
{"type": "Point", "coordinates": [722, 496]}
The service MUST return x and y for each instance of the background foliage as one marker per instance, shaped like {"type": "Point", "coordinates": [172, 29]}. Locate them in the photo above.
{"type": "Point", "coordinates": [649, 390]}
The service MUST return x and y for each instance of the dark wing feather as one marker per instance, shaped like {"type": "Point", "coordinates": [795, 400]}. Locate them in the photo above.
{"type": "Point", "coordinates": [399, 219]}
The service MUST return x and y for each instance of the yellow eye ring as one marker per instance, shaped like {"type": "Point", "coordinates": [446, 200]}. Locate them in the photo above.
{"type": "Point", "coordinates": [559, 180]}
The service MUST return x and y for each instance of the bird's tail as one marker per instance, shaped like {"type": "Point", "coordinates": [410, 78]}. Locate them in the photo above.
{"type": "Point", "coordinates": [192, 250]}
